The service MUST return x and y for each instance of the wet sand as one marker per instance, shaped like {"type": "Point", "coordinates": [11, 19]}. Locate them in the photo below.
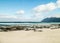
{"type": "Point", "coordinates": [47, 36]}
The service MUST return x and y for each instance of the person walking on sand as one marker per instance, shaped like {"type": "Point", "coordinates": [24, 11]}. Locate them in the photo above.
{"type": "Point", "coordinates": [34, 28]}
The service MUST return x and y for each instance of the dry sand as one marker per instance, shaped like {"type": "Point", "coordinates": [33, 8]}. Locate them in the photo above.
{"type": "Point", "coordinates": [47, 36]}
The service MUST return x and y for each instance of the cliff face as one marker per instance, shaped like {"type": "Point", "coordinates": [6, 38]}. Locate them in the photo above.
{"type": "Point", "coordinates": [51, 19]}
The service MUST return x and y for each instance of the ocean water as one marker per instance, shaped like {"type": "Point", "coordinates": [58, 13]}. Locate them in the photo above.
{"type": "Point", "coordinates": [28, 23]}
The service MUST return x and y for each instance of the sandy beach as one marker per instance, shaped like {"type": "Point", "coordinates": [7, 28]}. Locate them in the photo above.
{"type": "Point", "coordinates": [47, 36]}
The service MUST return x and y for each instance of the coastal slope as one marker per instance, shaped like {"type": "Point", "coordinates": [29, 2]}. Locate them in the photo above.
{"type": "Point", "coordinates": [51, 19]}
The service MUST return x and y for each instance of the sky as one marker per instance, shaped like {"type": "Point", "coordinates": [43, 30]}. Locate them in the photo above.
{"type": "Point", "coordinates": [28, 10]}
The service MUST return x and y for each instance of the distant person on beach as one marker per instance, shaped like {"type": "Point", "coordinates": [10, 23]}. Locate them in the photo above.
{"type": "Point", "coordinates": [34, 29]}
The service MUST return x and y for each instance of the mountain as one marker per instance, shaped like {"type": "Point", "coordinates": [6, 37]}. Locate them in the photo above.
{"type": "Point", "coordinates": [51, 19]}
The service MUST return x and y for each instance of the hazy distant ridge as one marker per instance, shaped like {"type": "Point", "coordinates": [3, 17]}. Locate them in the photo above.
{"type": "Point", "coordinates": [51, 19]}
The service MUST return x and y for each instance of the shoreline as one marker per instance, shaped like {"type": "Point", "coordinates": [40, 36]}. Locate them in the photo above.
{"type": "Point", "coordinates": [27, 28]}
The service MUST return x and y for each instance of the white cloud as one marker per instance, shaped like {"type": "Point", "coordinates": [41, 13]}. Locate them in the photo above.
{"type": "Point", "coordinates": [40, 10]}
{"type": "Point", "coordinates": [56, 15]}
{"type": "Point", "coordinates": [7, 16]}
{"type": "Point", "coordinates": [51, 6]}
{"type": "Point", "coordinates": [20, 12]}
{"type": "Point", "coordinates": [45, 7]}
{"type": "Point", "coordinates": [4, 17]}
{"type": "Point", "coordinates": [58, 3]}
